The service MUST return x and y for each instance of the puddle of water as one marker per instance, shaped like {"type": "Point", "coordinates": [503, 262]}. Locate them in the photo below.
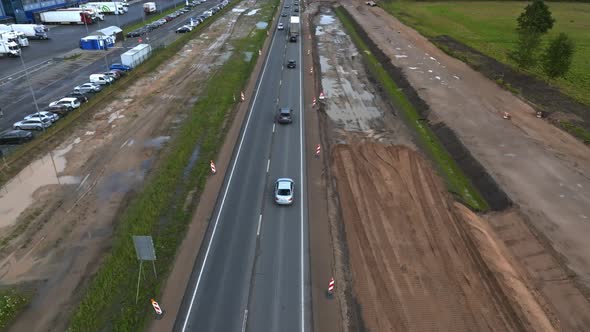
{"type": "Point", "coordinates": [261, 25]}
{"type": "Point", "coordinates": [156, 142]}
{"type": "Point", "coordinates": [248, 56]}
{"type": "Point", "coordinates": [326, 19]}
{"type": "Point", "coordinates": [253, 12]}
{"type": "Point", "coordinates": [239, 10]}
{"type": "Point", "coordinates": [319, 31]}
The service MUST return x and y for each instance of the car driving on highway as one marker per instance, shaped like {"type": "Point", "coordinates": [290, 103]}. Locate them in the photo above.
{"type": "Point", "coordinates": [284, 188]}
{"type": "Point", "coordinates": [291, 64]}
{"type": "Point", "coordinates": [280, 26]}
{"type": "Point", "coordinates": [284, 116]}
{"type": "Point", "coordinates": [32, 124]}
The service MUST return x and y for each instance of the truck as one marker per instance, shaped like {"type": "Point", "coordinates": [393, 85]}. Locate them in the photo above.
{"type": "Point", "coordinates": [149, 7]}
{"type": "Point", "coordinates": [9, 48]}
{"type": "Point", "coordinates": [65, 17]}
{"type": "Point", "coordinates": [294, 28]}
{"type": "Point", "coordinates": [16, 37]}
{"type": "Point", "coordinates": [36, 31]}
{"type": "Point", "coordinates": [94, 13]}
{"type": "Point", "coordinates": [117, 8]}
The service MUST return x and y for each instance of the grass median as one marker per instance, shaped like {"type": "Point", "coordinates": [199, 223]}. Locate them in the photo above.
{"type": "Point", "coordinates": [11, 302]}
{"type": "Point", "coordinates": [456, 180]}
{"type": "Point", "coordinates": [159, 209]}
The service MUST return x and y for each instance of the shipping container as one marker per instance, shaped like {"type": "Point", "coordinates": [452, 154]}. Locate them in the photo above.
{"type": "Point", "coordinates": [136, 55]}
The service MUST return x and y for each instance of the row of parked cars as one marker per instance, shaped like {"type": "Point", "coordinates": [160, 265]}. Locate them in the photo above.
{"type": "Point", "coordinates": [56, 110]}
{"type": "Point", "coordinates": [194, 21]}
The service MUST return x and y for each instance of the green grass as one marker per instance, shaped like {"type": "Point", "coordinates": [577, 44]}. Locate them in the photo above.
{"type": "Point", "coordinates": [11, 302]}
{"type": "Point", "coordinates": [109, 302]}
{"type": "Point", "coordinates": [489, 26]}
{"type": "Point", "coordinates": [577, 131]}
{"type": "Point", "coordinates": [456, 181]}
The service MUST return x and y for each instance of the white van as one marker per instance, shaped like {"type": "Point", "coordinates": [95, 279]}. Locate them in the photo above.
{"type": "Point", "coordinates": [208, 13]}
{"type": "Point", "coordinates": [100, 79]}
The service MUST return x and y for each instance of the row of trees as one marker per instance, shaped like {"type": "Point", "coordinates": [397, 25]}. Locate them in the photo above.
{"type": "Point", "coordinates": [533, 24]}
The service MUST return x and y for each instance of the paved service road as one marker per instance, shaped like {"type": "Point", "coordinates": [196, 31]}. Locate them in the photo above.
{"type": "Point", "coordinates": [60, 78]}
{"type": "Point", "coordinates": [253, 270]}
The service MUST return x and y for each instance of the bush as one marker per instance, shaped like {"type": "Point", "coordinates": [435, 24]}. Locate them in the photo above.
{"type": "Point", "coordinates": [557, 58]}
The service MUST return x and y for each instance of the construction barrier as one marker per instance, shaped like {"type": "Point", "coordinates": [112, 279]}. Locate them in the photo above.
{"type": "Point", "coordinates": [506, 115]}
{"type": "Point", "coordinates": [157, 309]}
{"type": "Point", "coordinates": [259, 52]}
{"type": "Point", "coordinates": [539, 114]}
{"type": "Point", "coordinates": [213, 169]}
{"type": "Point", "coordinates": [318, 149]}
{"type": "Point", "coordinates": [311, 70]}
{"type": "Point", "coordinates": [313, 102]}
{"type": "Point", "coordinates": [331, 287]}
{"type": "Point", "coordinates": [242, 96]}
{"type": "Point", "coordinates": [322, 97]}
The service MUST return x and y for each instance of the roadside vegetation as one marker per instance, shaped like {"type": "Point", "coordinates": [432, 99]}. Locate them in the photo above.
{"type": "Point", "coordinates": [456, 181]}
{"type": "Point", "coordinates": [159, 209]}
{"type": "Point", "coordinates": [491, 28]}
{"type": "Point", "coordinates": [11, 302]}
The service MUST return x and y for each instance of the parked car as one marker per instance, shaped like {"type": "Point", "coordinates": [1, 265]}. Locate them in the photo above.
{"type": "Point", "coordinates": [115, 75]}
{"type": "Point", "coordinates": [82, 98]}
{"type": "Point", "coordinates": [72, 102]}
{"type": "Point", "coordinates": [101, 79]}
{"type": "Point", "coordinates": [88, 87]}
{"type": "Point", "coordinates": [284, 115]}
{"type": "Point", "coordinates": [184, 29]}
{"type": "Point", "coordinates": [280, 26]}
{"type": "Point", "coordinates": [134, 33]}
{"type": "Point", "coordinates": [291, 64]}
{"type": "Point", "coordinates": [284, 188]}
{"type": "Point", "coordinates": [162, 21]}
{"type": "Point", "coordinates": [79, 93]}
{"type": "Point", "coordinates": [119, 66]}
{"type": "Point", "coordinates": [15, 137]}
{"type": "Point", "coordinates": [59, 109]}
{"type": "Point", "coordinates": [32, 124]}
{"type": "Point", "coordinates": [43, 115]}
{"type": "Point", "coordinates": [119, 71]}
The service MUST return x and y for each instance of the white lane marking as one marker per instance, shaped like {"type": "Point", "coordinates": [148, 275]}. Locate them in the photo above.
{"type": "Point", "coordinates": [124, 143]}
{"type": "Point", "coordinates": [301, 121]}
{"type": "Point", "coordinates": [231, 175]}
{"type": "Point", "coordinates": [259, 224]}
{"type": "Point", "coordinates": [273, 127]}
{"type": "Point", "coordinates": [83, 181]}
{"type": "Point", "coordinates": [280, 82]}
{"type": "Point", "coordinates": [245, 320]}
{"type": "Point", "coordinates": [267, 165]}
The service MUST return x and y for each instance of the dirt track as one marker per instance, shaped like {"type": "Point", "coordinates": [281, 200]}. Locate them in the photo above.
{"type": "Point", "coordinates": [414, 267]}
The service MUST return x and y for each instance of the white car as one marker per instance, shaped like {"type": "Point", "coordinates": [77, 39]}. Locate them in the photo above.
{"type": "Point", "coordinates": [72, 102]}
{"type": "Point", "coordinates": [284, 191]}
{"type": "Point", "coordinates": [280, 26]}
{"type": "Point", "coordinates": [43, 115]}
{"type": "Point", "coordinates": [32, 124]}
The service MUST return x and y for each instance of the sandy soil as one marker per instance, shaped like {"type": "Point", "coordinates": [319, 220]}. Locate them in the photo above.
{"type": "Point", "coordinates": [69, 216]}
{"type": "Point", "coordinates": [414, 267]}
{"type": "Point", "coordinates": [545, 171]}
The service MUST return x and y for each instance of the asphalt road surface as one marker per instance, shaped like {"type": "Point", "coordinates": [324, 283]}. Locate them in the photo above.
{"type": "Point", "coordinates": [253, 270]}
{"type": "Point", "coordinates": [16, 99]}
{"type": "Point", "coordinates": [64, 38]}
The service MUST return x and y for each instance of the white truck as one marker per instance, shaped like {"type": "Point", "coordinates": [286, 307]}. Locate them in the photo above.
{"type": "Point", "coordinates": [117, 8]}
{"type": "Point", "coordinates": [9, 49]}
{"type": "Point", "coordinates": [65, 17]}
{"type": "Point", "coordinates": [16, 37]}
{"type": "Point", "coordinates": [94, 13]}
{"type": "Point", "coordinates": [149, 7]}
{"type": "Point", "coordinates": [37, 31]}
{"type": "Point", "coordinates": [294, 28]}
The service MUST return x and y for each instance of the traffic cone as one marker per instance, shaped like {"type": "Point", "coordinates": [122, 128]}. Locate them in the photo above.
{"type": "Point", "coordinates": [157, 309]}
{"type": "Point", "coordinates": [213, 169]}
{"type": "Point", "coordinates": [331, 287]}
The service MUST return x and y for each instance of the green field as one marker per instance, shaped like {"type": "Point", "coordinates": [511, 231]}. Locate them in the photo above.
{"type": "Point", "coordinates": [489, 26]}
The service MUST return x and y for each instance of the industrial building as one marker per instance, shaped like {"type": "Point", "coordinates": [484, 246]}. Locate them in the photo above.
{"type": "Point", "coordinates": [22, 11]}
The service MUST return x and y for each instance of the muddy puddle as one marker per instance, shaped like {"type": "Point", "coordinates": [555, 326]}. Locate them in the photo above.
{"type": "Point", "coordinates": [261, 25]}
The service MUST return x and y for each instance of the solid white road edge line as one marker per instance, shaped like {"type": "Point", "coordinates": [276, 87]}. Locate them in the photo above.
{"type": "Point", "coordinates": [267, 165]}
{"type": "Point", "coordinates": [231, 174]}
{"type": "Point", "coordinates": [245, 320]}
{"type": "Point", "coordinates": [259, 224]}
{"type": "Point", "coordinates": [301, 121]}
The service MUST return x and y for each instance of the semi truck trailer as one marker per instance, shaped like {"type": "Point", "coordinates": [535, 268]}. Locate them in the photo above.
{"type": "Point", "coordinates": [94, 13]}
{"type": "Point", "coordinates": [65, 17]}
{"type": "Point", "coordinates": [117, 8]}
{"type": "Point", "coordinates": [149, 7]}
{"type": "Point", "coordinates": [294, 28]}
{"type": "Point", "coordinates": [36, 31]}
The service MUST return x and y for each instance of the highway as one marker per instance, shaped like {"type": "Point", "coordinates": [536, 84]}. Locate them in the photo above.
{"type": "Point", "coordinates": [252, 272]}
{"type": "Point", "coordinates": [58, 79]}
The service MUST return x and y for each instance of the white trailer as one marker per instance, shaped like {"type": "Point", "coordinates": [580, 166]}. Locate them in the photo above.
{"type": "Point", "coordinates": [65, 17]}
{"type": "Point", "coordinates": [9, 49]}
{"type": "Point", "coordinates": [294, 28]}
{"type": "Point", "coordinates": [109, 7]}
{"type": "Point", "coordinates": [149, 7]}
{"type": "Point", "coordinates": [37, 31]}
{"type": "Point", "coordinates": [136, 55]}
{"type": "Point", "coordinates": [15, 37]}
{"type": "Point", "coordinates": [94, 13]}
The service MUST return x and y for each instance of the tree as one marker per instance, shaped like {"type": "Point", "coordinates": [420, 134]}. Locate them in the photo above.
{"type": "Point", "coordinates": [536, 18]}
{"type": "Point", "coordinates": [525, 54]}
{"type": "Point", "coordinates": [557, 58]}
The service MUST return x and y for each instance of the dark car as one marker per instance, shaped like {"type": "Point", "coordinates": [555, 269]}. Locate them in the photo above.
{"type": "Point", "coordinates": [284, 14]}
{"type": "Point", "coordinates": [183, 29]}
{"type": "Point", "coordinates": [15, 137]}
{"type": "Point", "coordinates": [59, 109]}
{"type": "Point", "coordinates": [286, 6]}
{"type": "Point", "coordinates": [296, 10]}
{"type": "Point", "coordinates": [81, 98]}
{"type": "Point", "coordinates": [291, 64]}
{"type": "Point", "coordinates": [134, 33]}
{"type": "Point", "coordinates": [284, 115]}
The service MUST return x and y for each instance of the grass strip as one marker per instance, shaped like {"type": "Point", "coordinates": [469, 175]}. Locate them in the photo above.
{"type": "Point", "coordinates": [456, 180]}
{"type": "Point", "coordinates": [11, 302]}
{"type": "Point", "coordinates": [22, 156]}
{"type": "Point", "coordinates": [109, 302]}
{"type": "Point", "coordinates": [575, 130]}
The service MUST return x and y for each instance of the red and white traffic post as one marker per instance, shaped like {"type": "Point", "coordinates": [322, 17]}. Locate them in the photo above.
{"type": "Point", "coordinates": [331, 287]}
{"type": "Point", "coordinates": [318, 149]}
{"type": "Point", "coordinates": [213, 169]}
{"type": "Point", "coordinates": [242, 96]}
{"type": "Point", "coordinates": [157, 309]}
{"type": "Point", "coordinates": [322, 96]}
{"type": "Point", "coordinates": [313, 102]}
